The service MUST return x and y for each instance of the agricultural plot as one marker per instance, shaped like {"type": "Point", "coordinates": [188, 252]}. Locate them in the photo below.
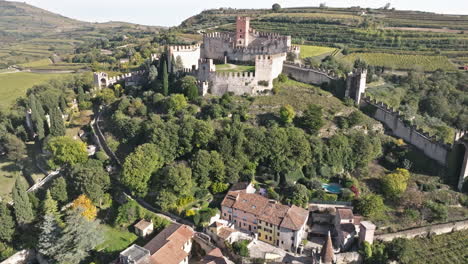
{"type": "Point", "coordinates": [404, 62]}
{"type": "Point", "coordinates": [315, 51]}
{"type": "Point", "coordinates": [14, 85]}
{"type": "Point", "coordinates": [447, 248]}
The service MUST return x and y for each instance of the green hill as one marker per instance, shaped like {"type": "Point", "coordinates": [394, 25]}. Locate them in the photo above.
{"type": "Point", "coordinates": [28, 33]}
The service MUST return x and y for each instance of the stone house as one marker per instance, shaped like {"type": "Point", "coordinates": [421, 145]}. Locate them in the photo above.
{"type": "Point", "coordinates": [171, 246]}
{"type": "Point", "coordinates": [144, 228]}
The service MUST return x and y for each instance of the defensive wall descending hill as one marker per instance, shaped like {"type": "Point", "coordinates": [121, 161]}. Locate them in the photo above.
{"type": "Point", "coordinates": [307, 74]}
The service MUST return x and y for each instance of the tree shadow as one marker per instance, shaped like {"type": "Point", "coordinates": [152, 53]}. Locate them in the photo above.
{"type": "Point", "coordinates": [11, 168]}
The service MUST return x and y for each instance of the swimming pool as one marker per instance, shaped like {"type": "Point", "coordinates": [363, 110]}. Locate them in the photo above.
{"type": "Point", "coordinates": [332, 188]}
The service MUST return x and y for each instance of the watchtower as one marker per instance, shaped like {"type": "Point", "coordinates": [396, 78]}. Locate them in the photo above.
{"type": "Point", "coordinates": [101, 80]}
{"type": "Point", "coordinates": [356, 84]}
{"type": "Point", "coordinates": [242, 31]}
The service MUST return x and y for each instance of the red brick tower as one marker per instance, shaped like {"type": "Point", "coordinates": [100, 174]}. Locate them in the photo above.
{"type": "Point", "coordinates": [242, 33]}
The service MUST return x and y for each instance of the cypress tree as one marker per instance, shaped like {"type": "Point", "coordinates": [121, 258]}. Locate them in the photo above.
{"type": "Point", "coordinates": [7, 228]}
{"type": "Point", "coordinates": [58, 190]}
{"type": "Point", "coordinates": [165, 80]}
{"type": "Point", "coordinates": [37, 116]}
{"type": "Point", "coordinates": [23, 207]}
{"type": "Point", "coordinates": [63, 103]}
{"type": "Point", "coordinates": [57, 126]}
{"type": "Point", "coordinates": [50, 233]}
{"type": "Point", "coordinates": [81, 94]}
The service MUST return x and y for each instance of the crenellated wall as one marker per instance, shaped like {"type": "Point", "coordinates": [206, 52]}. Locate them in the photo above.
{"type": "Point", "coordinates": [189, 54]}
{"type": "Point", "coordinates": [308, 74]}
{"type": "Point", "coordinates": [268, 67]}
{"type": "Point", "coordinates": [238, 83]}
{"type": "Point", "coordinates": [436, 150]}
{"type": "Point", "coordinates": [102, 80]}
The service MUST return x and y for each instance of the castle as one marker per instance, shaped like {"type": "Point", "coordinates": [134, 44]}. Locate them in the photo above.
{"type": "Point", "coordinates": [267, 51]}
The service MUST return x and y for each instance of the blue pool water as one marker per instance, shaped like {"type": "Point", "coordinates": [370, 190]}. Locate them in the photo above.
{"type": "Point", "coordinates": [332, 188]}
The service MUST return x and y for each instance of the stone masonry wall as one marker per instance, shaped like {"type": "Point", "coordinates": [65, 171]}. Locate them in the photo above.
{"type": "Point", "coordinates": [423, 231]}
{"type": "Point", "coordinates": [429, 145]}
{"type": "Point", "coordinates": [307, 75]}
{"type": "Point", "coordinates": [189, 55]}
{"type": "Point", "coordinates": [237, 82]}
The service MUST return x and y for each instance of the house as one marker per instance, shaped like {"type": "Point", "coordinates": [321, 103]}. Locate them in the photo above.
{"type": "Point", "coordinates": [144, 228]}
{"type": "Point", "coordinates": [279, 225]}
{"type": "Point", "coordinates": [215, 256]}
{"type": "Point", "coordinates": [246, 187]}
{"type": "Point", "coordinates": [171, 246]}
{"type": "Point", "coordinates": [220, 232]}
{"type": "Point", "coordinates": [346, 226]}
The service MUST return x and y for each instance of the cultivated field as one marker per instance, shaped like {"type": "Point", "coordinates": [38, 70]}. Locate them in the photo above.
{"type": "Point", "coordinates": [315, 51]}
{"type": "Point", "coordinates": [404, 62]}
{"type": "Point", "coordinates": [14, 85]}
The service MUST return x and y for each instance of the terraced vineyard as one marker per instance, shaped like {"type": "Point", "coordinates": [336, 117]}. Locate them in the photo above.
{"type": "Point", "coordinates": [404, 62]}
{"type": "Point", "coordinates": [448, 248]}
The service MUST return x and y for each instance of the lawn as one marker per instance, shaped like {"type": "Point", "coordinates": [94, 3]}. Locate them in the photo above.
{"type": "Point", "coordinates": [8, 172]}
{"type": "Point", "coordinates": [315, 51]}
{"type": "Point", "coordinates": [115, 240]}
{"type": "Point", "coordinates": [14, 85]}
{"type": "Point", "coordinates": [234, 68]}
{"type": "Point", "coordinates": [404, 62]}
{"type": "Point", "coordinates": [38, 63]}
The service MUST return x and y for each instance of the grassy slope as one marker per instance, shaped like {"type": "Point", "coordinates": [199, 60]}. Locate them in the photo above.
{"type": "Point", "coordinates": [234, 68]}
{"type": "Point", "coordinates": [314, 51]}
{"type": "Point", "coordinates": [14, 85]}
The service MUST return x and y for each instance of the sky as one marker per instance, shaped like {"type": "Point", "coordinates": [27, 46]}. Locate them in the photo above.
{"type": "Point", "coordinates": [173, 12]}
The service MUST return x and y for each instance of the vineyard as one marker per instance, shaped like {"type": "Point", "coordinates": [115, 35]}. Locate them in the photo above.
{"type": "Point", "coordinates": [404, 62]}
{"type": "Point", "coordinates": [448, 248]}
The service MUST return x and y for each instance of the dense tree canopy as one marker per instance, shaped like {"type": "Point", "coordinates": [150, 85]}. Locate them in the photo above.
{"type": "Point", "coordinates": [66, 151]}
{"type": "Point", "coordinates": [91, 179]}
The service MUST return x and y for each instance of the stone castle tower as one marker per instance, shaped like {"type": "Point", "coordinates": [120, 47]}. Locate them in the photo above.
{"type": "Point", "coordinates": [242, 31]}
{"type": "Point", "coordinates": [356, 84]}
{"type": "Point", "coordinates": [101, 80]}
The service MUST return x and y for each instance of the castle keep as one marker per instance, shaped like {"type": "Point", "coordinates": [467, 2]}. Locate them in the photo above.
{"type": "Point", "coordinates": [267, 51]}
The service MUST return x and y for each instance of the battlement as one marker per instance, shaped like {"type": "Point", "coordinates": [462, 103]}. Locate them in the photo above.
{"type": "Point", "coordinates": [294, 49]}
{"type": "Point", "coordinates": [125, 76]}
{"type": "Point", "coordinates": [254, 50]}
{"type": "Point", "coordinates": [271, 36]}
{"type": "Point", "coordinates": [218, 35]}
{"type": "Point", "coordinates": [397, 114]}
{"type": "Point", "coordinates": [240, 18]}
{"type": "Point", "coordinates": [184, 48]}
{"type": "Point", "coordinates": [230, 75]}
{"type": "Point", "coordinates": [267, 57]}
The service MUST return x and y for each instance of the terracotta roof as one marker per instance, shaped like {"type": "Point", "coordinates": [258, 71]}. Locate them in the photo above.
{"type": "Point", "coordinates": [295, 218]}
{"type": "Point", "coordinates": [247, 202]}
{"type": "Point", "coordinates": [327, 254]}
{"type": "Point", "coordinates": [143, 224]}
{"type": "Point", "coordinates": [345, 213]}
{"type": "Point", "coordinates": [137, 254]}
{"type": "Point", "coordinates": [273, 213]}
{"type": "Point", "coordinates": [230, 199]}
{"type": "Point", "coordinates": [215, 256]}
{"type": "Point", "coordinates": [225, 232]}
{"type": "Point", "coordinates": [166, 247]}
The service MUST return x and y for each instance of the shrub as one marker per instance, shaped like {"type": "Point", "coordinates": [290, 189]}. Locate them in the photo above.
{"type": "Point", "coordinates": [102, 156]}
{"type": "Point", "coordinates": [370, 205]}
{"type": "Point", "coordinates": [283, 78]}
{"type": "Point", "coordinates": [219, 187]}
{"type": "Point", "coordinates": [240, 248]}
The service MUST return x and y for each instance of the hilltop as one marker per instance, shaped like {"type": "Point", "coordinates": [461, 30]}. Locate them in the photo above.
{"type": "Point", "coordinates": [355, 29]}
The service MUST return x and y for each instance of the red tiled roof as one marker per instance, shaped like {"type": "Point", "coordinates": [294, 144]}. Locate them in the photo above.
{"type": "Point", "coordinates": [345, 213]}
{"type": "Point", "coordinates": [143, 224]}
{"type": "Point", "coordinates": [215, 256]}
{"type": "Point", "coordinates": [225, 232]}
{"type": "Point", "coordinates": [273, 213]}
{"type": "Point", "coordinates": [295, 218]}
{"type": "Point", "coordinates": [167, 246]}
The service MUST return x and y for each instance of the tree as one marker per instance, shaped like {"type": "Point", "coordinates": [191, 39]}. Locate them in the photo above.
{"type": "Point", "coordinates": [7, 228]}
{"type": "Point", "coordinates": [179, 64]}
{"type": "Point", "coordinates": [207, 167]}
{"type": "Point", "coordinates": [139, 166]}
{"type": "Point", "coordinates": [66, 151]}
{"type": "Point", "coordinates": [287, 114]}
{"type": "Point", "coordinates": [57, 126]}
{"type": "Point", "coordinates": [58, 190]}
{"type": "Point", "coordinates": [176, 178]}
{"type": "Point", "coordinates": [85, 206]}
{"type": "Point", "coordinates": [166, 200]}
{"type": "Point", "coordinates": [165, 80]}
{"type": "Point", "coordinates": [312, 119]}
{"type": "Point", "coordinates": [189, 87]}
{"type": "Point", "coordinates": [370, 205]}
{"type": "Point", "coordinates": [276, 7]}
{"type": "Point", "coordinates": [299, 195]}
{"type": "Point", "coordinates": [37, 116]}
{"type": "Point", "coordinates": [175, 103]}
{"type": "Point", "coordinates": [49, 205]}
{"type": "Point", "coordinates": [15, 148]}
{"type": "Point", "coordinates": [360, 64]}
{"type": "Point", "coordinates": [395, 183]}
{"type": "Point", "coordinates": [106, 96]}
{"type": "Point", "coordinates": [91, 179]}
{"type": "Point", "coordinates": [50, 233]}
{"type": "Point", "coordinates": [78, 238]}
{"type": "Point", "coordinates": [23, 207]}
